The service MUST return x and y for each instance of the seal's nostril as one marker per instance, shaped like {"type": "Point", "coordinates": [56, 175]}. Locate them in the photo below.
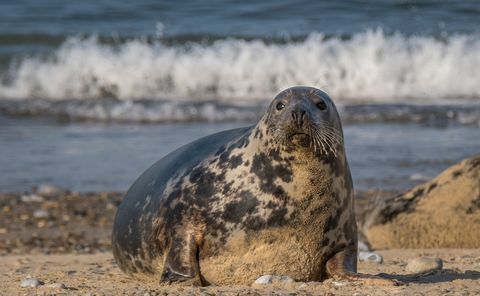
{"type": "Point", "coordinates": [298, 116]}
{"type": "Point", "coordinates": [302, 114]}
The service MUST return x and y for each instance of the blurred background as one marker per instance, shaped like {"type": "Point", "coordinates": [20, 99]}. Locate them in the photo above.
{"type": "Point", "coordinates": [94, 92]}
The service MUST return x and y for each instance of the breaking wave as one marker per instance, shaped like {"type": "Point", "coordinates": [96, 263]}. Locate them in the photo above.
{"type": "Point", "coordinates": [367, 67]}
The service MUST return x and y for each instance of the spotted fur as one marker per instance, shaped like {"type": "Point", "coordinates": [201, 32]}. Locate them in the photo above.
{"type": "Point", "coordinates": [274, 198]}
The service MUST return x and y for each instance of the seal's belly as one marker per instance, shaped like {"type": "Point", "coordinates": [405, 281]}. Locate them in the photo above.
{"type": "Point", "coordinates": [279, 251]}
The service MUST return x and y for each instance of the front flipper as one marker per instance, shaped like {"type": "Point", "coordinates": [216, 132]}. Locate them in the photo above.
{"type": "Point", "coordinates": [181, 264]}
{"type": "Point", "coordinates": [343, 265]}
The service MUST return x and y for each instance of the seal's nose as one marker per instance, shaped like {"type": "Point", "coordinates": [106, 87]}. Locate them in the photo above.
{"type": "Point", "coordinates": [298, 116]}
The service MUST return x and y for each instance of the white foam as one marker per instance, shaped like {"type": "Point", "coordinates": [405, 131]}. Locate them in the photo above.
{"type": "Point", "coordinates": [371, 66]}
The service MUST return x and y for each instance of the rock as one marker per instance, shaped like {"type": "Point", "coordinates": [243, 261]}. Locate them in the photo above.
{"type": "Point", "coordinates": [41, 214]}
{"type": "Point", "coordinates": [370, 257]}
{"type": "Point", "coordinates": [30, 282]}
{"type": "Point", "coordinates": [423, 265]}
{"type": "Point", "coordinates": [50, 191]}
{"type": "Point", "coordinates": [32, 198]}
{"type": "Point", "coordinates": [273, 279]}
{"type": "Point", "coordinates": [441, 213]}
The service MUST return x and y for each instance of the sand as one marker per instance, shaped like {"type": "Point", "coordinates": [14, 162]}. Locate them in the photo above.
{"type": "Point", "coordinates": [97, 274]}
{"type": "Point", "coordinates": [65, 239]}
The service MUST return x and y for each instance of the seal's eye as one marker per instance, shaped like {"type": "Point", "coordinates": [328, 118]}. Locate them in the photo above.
{"type": "Point", "coordinates": [322, 106]}
{"type": "Point", "coordinates": [280, 106]}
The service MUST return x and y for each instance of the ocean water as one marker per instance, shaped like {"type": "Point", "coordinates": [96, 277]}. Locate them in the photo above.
{"type": "Point", "coordinates": [93, 92]}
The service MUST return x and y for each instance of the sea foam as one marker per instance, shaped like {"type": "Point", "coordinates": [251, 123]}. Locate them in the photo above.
{"type": "Point", "coordinates": [368, 67]}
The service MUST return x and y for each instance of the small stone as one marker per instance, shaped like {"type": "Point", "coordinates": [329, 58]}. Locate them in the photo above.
{"type": "Point", "coordinates": [370, 257]}
{"type": "Point", "coordinates": [338, 283]}
{"type": "Point", "coordinates": [41, 214]}
{"type": "Point", "coordinates": [424, 265]}
{"type": "Point", "coordinates": [32, 198]}
{"type": "Point", "coordinates": [50, 190]}
{"type": "Point", "coordinates": [30, 282]}
{"type": "Point", "coordinates": [264, 279]}
{"type": "Point", "coordinates": [271, 279]}
{"type": "Point", "coordinates": [57, 286]}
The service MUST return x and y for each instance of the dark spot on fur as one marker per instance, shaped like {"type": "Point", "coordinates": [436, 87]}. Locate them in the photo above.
{"type": "Point", "coordinates": [289, 149]}
{"type": "Point", "coordinates": [332, 221]}
{"type": "Point", "coordinates": [175, 216]}
{"type": "Point", "coordinates": [457, 173]}
{"type": "Point", "coordinates": [220, 177]}
{"type": "Point", "coordinates": [274, 154]}
{"type": "Point", "coordinates": [475, 205]}
{"type": "Point", "coordinates": [243, 142]}
{"type": "Point", "coordinates": [418, 192]}
{"type": "Point", "coordinates": [245, 204]}
{"type": "Point", "coordinates": [196, 174]}
{"type": "Point", "coordinates": [227, 187]}
{"type": "Point", "coordinates": [431, 187]}
{"type": "Point", "coordinates": [247, 163]}
{"type": "Point", "coordinates": [271, 205]}
{"type": "Point", "coordinates": [277, 217]}
{"type": "Point", "coordinates": [223, 158]}
{"type": "Point", "coordinates": [258, 134]}
{"type": "Point", "coordinates": [235, 161]}
{"type": "Point", "coordinates": [205, 185]}
{"type": "Point", "coordinates": [254, 223]}
{"type": "Point", "coordinates": [280, 194]}
{"type": "Point", "coordinates": [267, 173]}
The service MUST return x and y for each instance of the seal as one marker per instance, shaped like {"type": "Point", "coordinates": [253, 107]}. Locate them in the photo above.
{"type": "Point", "coordinates": [273, 198]}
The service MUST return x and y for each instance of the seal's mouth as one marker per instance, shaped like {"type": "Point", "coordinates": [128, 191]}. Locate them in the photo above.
{"type": "Point", "coordinates": [300, 139]}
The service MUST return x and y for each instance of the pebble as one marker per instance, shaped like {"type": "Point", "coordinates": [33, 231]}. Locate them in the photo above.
{"type": "Point", "coordinates": [30, 282]}
{"type": "Point", "coordinates": [32, 198]}
{"type": "Point", "coordinates": [370, 257]}
{"type": "Point", "coordinates": [50, 190]}
{"type": "Point", "coordinates": [270, 279]}
{"type": "Point", "coordinates": [41, 214]}
{"type": "Point", "coordinates": [338, 283]}
{"type": "Point", "coordinates": [424, 265]}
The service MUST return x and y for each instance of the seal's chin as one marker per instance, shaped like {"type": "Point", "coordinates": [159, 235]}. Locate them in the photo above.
{"type": "Point", "coordinates": [300, 139]}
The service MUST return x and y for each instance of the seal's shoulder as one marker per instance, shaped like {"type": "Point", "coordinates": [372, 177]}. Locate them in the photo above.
{"type": "Point", "coordinates": [190, 154]}
{"type": "Point", "coordinates": [183, 159]}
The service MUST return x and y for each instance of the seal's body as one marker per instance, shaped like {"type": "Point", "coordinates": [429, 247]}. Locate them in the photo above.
{"type": "Point", "coordinates": [274, 198]}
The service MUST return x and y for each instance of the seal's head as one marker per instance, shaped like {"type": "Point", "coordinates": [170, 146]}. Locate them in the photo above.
{"type": "Point", "coordinates": [301, 118]}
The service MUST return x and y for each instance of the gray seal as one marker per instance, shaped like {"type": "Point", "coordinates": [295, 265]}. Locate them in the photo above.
{"type": "Point", "coordinates": [273, 198]}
